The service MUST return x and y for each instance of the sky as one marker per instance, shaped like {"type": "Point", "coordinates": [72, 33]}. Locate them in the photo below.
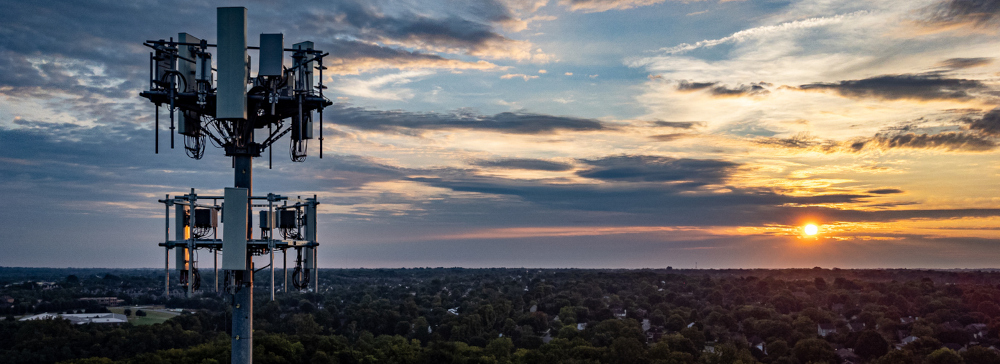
{"type": "Point", "coordinates": [538, 133]}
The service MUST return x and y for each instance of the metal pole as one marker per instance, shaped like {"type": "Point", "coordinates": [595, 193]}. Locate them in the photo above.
{"type": "Point", "coordinates": [270, 239]}
{"type": "Point", "coordinates": [166, 250]}
{"type": "Point", "coordinates": [315, 229]}
{"type": "Point", "coordinates": [190, 265]}
{"type": "Point", "coordinates": [166, 272]}
{"type": "Point", "coordinates": [242, 329]}
{"type": "Point", "coordinates": [215, 257]}
{"type": "Point", "coordinates": [284, 255]}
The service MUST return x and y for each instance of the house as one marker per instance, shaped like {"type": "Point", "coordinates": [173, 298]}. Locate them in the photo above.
{"type": "Point", "coordinates": [856, 326]}
{"type": "Point", "coordinates": [757, 342]}
{"type": "Point", "coordinates": [619, 313]}
{"type": "Point", "coordinates": [826, 329]}
{"type": "Point", "coordinates": [581, 327]}
{"type": "Point", "coordinates": [547, 337]}
{"type": "Point", "coordinates": [645, 325]}
{"type": "Point", "coordinates": [908, 320]}
{"type": "Point", "coordinates": [848, 356]}
{"type": "Point", "coordinates": [978, 331]}
{"type": "Point", "coordinates": [654, 334]}
{"type": "Point", "coordinates": [906, 340]}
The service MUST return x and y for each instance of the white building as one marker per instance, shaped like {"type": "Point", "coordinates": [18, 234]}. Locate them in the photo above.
{"type": "Point", "coordinates": [81, 318]}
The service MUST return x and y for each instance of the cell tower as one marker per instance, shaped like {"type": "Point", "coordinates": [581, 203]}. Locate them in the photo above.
{"type": "Point", "coordinates": [224, 105]}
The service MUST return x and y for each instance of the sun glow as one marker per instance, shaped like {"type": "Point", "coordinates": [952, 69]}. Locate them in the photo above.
{"type": "Point", "coordinates": [810, 229]}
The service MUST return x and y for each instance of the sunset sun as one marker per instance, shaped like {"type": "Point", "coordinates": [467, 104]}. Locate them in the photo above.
{"type": "Point", "coordinates": [810, 229]}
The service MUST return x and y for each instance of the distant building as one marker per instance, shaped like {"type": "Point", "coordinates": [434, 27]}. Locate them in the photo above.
{"type": "Point", "coordinates": [906, 340]}
{"type": "Point", "coordinates": [757, 342]}
{"type": "Point", "coordinates": [848, 356]}
{"type": "Point", "coordinates": [105, 301]}
{"type": "Point", "coordinates": [81, 318]}
{"type": "Point", "coordinates": [826, 329]}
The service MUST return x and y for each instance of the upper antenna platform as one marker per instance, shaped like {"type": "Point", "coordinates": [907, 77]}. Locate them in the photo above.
{"type": "Point", "coordinates": [224, 104]}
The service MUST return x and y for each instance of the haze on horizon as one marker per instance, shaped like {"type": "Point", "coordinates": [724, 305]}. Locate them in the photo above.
{"type": "Point", "coordinates": [538, 133]}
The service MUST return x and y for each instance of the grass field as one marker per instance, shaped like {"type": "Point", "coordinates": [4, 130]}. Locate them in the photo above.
{"type": "Point", "coordinates": [152, 316]}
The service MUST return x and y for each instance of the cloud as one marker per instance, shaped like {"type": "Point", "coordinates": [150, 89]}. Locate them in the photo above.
{"type": "Point", "coordinates": [715, 89]}
{"type": "Point", "coordinates": [525, 163]}
{"type": "Point", "coordinates": [452, 33]}
{"type": "Point", "coordinates": [762, 31]}
{"type": "Point", "coordinates": [374, 87]}
{"type": "Point", "coordinates": [516, 75]}
{"type": "Point", "coordinates": [904, 86]}
{"type": "Point", "coordinates": [798, 141]}
{"type": "Point", "coordinates": [506, 122]}
{"type": "Point", "coordinates": [948, 141]}
{"type": "Point", "coordinates": [596, 6]}
{"type": "Point", "coordinates": [885, 191]}
{"type": "Point", "coordinates": [679, 124]}
{"type": "Point", "coordinates": [355, 57]}
{"type": "Point", "coordinates": [643, 168]}
{"type": "Point", "coordinates": [989, 124]}
{"type": "Point", "coordinates": [669, 137]}
{"type": "Point", "coordinates": [959, 63]}
{"type": "Point", "coordinates": [977, 13]}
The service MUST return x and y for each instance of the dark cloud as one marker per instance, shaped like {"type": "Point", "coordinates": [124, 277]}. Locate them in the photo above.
{"type": "Point", "coordinates": [753, 89]}
{"type": "Point", "coordinates": [694, 86]}
{"type": "Point", "coordinates": [978, 13]}
{"type": "Point", "coordinates": [989, 124]}
{"type": "Point", "coordinates": [355, 56]}
{"type": "Point", "coordinates": [798, 141]}
{"type": "Point", "coordinates": [94, 49]}
{"type": "Point", "coordinates": [959, 63]}
{"type": "Point", "coordinates": [505, 122]}
{"type": "Point", "coordinates": [368, 21]}
{"type": "Point", "coordinates": [524, 163]}
{"type": "Point", "coordinates": [885, 191]}
{"type": "Point", "coordinates": [631, 203]}
{"type": "Point", "coordinates": [949, 141]}
{"type": "Point", "coordinates": [679, 124]}
{"type": "Point", "coordinates": [907, 86]}
{"type": "Point", "coordinates": [642, 168]}
{"type": "Point", "coordinates": [669, 137]}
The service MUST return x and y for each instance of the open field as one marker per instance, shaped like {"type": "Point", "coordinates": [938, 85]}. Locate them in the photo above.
{"type": "Point", "coordinates": [154, 314]}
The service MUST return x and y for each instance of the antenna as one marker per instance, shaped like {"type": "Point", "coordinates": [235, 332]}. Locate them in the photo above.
{"type": "Point", "coordinates": [224, 106]}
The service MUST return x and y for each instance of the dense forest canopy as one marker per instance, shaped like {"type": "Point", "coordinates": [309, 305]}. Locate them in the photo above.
{"type": "Point", "coordinates": [445, 315]}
